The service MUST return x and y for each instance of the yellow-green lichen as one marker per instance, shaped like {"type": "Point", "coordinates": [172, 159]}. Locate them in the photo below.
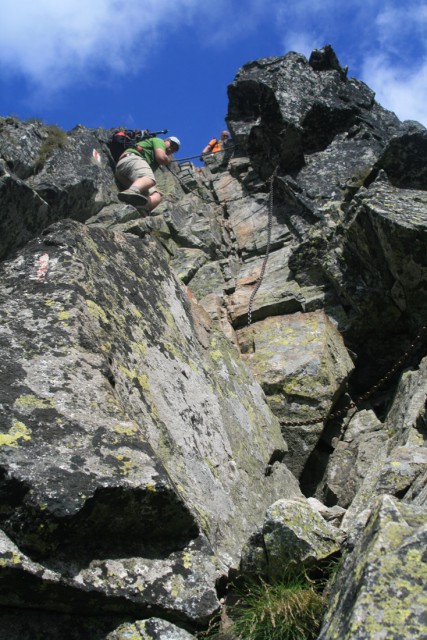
{"type": "Point", "coordinates": [92, 246]}
{"type": "Point", "coordinates": [186, 560]}
{"type": "Point", "coordinates": [140, 347]}
{"type": "Point", "coordinates": [63, 315]}
{"type": "Point", "coordinates": [97, 311]}
{"type": "Point", "coordinates": [126, 465]}
{"type": "Point", "coordinates": [31, 401]}
{"type": "Point", "coordinates": [212, 468]}
{"type": "Point", "coordinates": [14, 558]}
{"type": "Point", "coordinates": [127, 372]}
{"type": "Point", "coordinates": [17, 432]}
{"type": "Point", "coordinates": [143, 381]}
{"type": "Point", "coordinates": [127, 429]}
{"type": "Point", "coordinates": [177, 585]}
{"type": "Point", "coordinates": [135, 312]}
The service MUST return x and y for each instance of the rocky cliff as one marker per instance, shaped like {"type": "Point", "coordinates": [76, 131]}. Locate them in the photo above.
{"type": "Point", "coordinates": [232, 384]}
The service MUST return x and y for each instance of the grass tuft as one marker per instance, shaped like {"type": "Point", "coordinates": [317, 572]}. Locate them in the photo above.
{"type": "Point", "coordinates": [291, 609]}
{"type": "Point", "coordinates": [56, 139]}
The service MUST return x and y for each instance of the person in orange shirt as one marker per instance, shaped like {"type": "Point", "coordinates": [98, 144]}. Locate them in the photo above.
{"type": "Point", "coordinates": [216, 145]}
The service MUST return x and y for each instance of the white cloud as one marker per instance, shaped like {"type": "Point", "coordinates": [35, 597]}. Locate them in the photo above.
{"type": "Point", "coordinates": [398, 23]}
{"type": "Point", "coordinates": [400, 90]}
{"type": "Point", "coordinates": [300, 42]}
{"type": "Point", "coordinates": [52, 42]}
{"type": "Point", "coordinates": [55, 43]}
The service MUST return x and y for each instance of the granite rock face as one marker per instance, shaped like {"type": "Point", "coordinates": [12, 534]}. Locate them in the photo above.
{"type": "Point", "coordinates": [135, 441]}
{"type": "Point", "coordinates": [380, 590]}
{"type": "Point", "coordinates": [165, 380]}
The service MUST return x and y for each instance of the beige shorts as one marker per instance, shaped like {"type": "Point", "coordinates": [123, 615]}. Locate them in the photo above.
{"type": "Point", "coordinates": [131, 167]}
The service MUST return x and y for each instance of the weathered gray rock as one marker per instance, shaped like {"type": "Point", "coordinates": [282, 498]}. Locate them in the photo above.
{"type": "Point", "coordinates": [135, 498]}
{"type": "Point", "coordinates": [362, 449]}
{"type": "Point", "coordinates": [76, 179]}
{"type": "Point", "coordinates": [387, 457]}
{"type": "Point", "coordinates": [404, 159]}
{"type": "Point", "coordinates": [381, 267]}
{"type": "Point", "coordinates": [115, 382]}
{"type": "Point", "coordinates": [379, 591]}
{"type": "Point", "coordinates": [23, 214]}
{"type": "Point", "coordinates": [151, 629]}
{"type": "Point", "coordinates": [406, 421]}
{"type": "Point", "coordinates": [293, 533]}
{"type": "Point", "coordinates": [283, 110]}
{"type": "Point", "coordinates": [301, 362]}
{"type": "Point", "coordinates": [23, 146]}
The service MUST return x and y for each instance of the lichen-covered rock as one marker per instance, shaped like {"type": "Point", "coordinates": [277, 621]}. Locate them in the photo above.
{"type": "Point", "coordinates": [293, 533]}
{"type": "Point", "coordinates": [381, 268]}
{"type": "Point", "coordinates": [151, 629]}
{"type": "Point", "coordinates": [361, 449]}
{"type": "Point", "coordinates": [23, 214]}
{"type": "Point", "coordinates": [301, 362]}
{"type": "Point", "coordinates": [120, 396]}
{"type": "Point", "coordinates": [380, 589]}
{"type": "Point", "coordinates": [137, 451]}
{"type": "Point", "coordinates": [404, 159]}
{"type": "Point", "coordinates": [406, 422]}
{"type": "Point", "coordinates": [23, 145]}
{"type": "Point", "coordinates": [77, 179]}
{"type": "Point", "coordinates": [387, 457]}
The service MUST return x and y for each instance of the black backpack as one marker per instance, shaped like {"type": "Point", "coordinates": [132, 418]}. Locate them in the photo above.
{"type": "Point", "coordinates": [122, 140]}
{"type": "Point", "coordinates": [127, 138]}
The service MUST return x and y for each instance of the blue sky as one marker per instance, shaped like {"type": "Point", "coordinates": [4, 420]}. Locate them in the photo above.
{"type": "Point", "coordinates": [166, 63]}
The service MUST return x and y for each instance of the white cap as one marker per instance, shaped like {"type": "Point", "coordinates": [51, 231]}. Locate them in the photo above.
{"type": "Point", "coordinates": [174, 140]}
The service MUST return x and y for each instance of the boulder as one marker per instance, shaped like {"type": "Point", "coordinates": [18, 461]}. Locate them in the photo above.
{"type": "Point", "coordinates": [379, 591]}
{"type": "Point", "coordinates": [302, 364]}
{"type": "Point", "coordinates": [137, 451]}
{"type": "Point", "coordinates": [150, 629]}
{"type": "Point", "coordinates": [293, 533]}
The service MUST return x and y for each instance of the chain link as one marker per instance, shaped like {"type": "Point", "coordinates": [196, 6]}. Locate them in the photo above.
{"type": "Point", "coordinates": [365, 396]}
{"type": "Point", "coordinates": [354, 403]}
{"type": "Point", "coordinates": [267, 251]}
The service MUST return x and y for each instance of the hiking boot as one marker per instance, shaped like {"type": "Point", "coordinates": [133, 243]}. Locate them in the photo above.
{"type": "Point", "coordinates": [133, 197]}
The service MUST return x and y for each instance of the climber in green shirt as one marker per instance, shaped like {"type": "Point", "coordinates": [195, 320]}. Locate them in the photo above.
{"type": "Point", "coordinates": [135, 171]}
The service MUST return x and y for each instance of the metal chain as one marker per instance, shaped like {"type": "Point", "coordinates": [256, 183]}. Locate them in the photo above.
{"type": "Point", "coordinates": [267, 251]}
{"type": "Point", "coordinates": [354, 403]}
